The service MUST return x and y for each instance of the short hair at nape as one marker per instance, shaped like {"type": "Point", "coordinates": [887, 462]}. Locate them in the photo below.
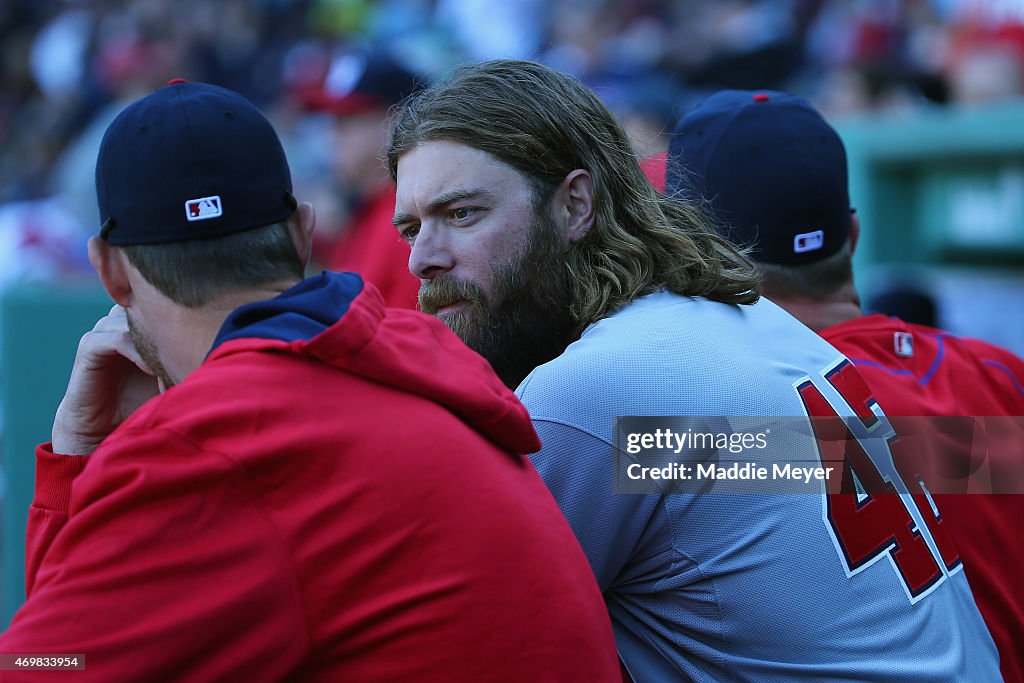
{"type": "Point", "coordinates": [194, 272]}
{"type": "Point", "coordinates": [815, 281]}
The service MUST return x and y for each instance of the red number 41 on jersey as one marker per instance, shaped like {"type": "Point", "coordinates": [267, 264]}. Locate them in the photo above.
{"type": "Point", "coordinates": [872, 515]}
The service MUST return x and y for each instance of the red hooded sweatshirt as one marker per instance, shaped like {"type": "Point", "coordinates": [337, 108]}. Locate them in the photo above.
{"type": "Point", "coordinates": [336, 494]}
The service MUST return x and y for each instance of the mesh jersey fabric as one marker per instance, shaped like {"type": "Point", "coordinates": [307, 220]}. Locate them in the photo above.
{"type": "Point", "coordinates": [721, 587]}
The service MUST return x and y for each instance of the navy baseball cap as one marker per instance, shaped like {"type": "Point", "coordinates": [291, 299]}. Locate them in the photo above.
{"type": "Point", "coordinates": [772, 170]}
{"type": "Point", "coordinates": [190, 161]}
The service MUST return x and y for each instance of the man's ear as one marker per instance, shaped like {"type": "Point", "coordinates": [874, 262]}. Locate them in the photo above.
{"type": "Point", "coordinates": [300, 227]}
{"type": "Point", "coordinates": [854, 232]}
{"type": "Point", "coordinates": [111, 265]}
{"type": "Point", "coordinates": [575, 204]}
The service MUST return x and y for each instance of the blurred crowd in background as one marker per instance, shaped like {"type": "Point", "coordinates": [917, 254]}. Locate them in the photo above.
{"type": "Point", "coordinates": [68, 66]}
{"type": "Point", "coordinates": [325, 72]}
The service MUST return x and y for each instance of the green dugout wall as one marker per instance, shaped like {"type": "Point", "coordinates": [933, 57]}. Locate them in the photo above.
{"type": "Point", "coordinates": [939, 194]}
{"type": "Point", "coordinates": [940, 187]}
{"type": "Point", "coordinates": [39, 331]}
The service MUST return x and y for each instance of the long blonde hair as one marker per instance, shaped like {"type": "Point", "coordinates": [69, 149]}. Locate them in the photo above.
{"type": "Point", "coordinates": [546, 124]}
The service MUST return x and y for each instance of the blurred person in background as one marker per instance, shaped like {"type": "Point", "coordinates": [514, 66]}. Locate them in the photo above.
{"type": "Point", "coordinates": [908, 302]}
{"type": "Point", "coordinates": [357, 90]}
{"type": "Point", "coordinates": [775, 177]}
{"type": "Point", "coordinates": [643, 101]}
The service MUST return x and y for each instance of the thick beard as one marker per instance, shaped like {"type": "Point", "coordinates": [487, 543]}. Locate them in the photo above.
{"type": "Point", "coordinates": [525, 322]}
{"type": "Point", "coordinates": [144, 345]}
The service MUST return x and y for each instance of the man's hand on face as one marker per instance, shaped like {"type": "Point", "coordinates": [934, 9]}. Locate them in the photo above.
{"type": "Point", "coordinates": [109, 381]}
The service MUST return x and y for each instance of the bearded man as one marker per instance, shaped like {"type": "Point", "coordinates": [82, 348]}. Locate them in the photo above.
{"type": "Point", "coordinates": [541, 244]}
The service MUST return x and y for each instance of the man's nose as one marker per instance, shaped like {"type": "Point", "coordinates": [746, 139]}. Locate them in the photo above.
{"type": "Point", "coordinates": [431, 254]}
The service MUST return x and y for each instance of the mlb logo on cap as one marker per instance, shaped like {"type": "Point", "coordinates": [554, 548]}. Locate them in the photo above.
{"type": "Point", "coordinates": [203, 208]}
{"type": "Point", "coordinates": [808, 241]}
{"type": "Point", "coordinates": [903, 342]}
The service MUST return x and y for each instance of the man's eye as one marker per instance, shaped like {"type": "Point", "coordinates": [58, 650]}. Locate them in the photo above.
{"type": "Point", "coordinates": [409, 234]}
{"type": "Point", "coordinates": [462, 213]}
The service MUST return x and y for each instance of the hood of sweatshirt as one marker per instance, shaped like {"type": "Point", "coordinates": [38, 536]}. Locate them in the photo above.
{"type": "Point", "coordinates": [339, 320]}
